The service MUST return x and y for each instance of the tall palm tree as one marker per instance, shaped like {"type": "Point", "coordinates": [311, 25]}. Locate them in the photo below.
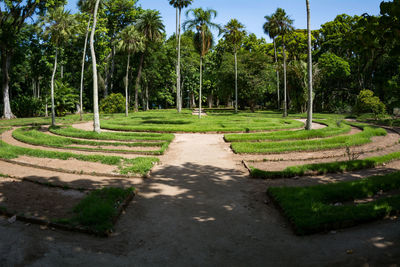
{"type": "Point", "coordinates": [284, 25]}
{"type": "Point", "coordinates": [271, 29]}
{"type": "Point", "coordinates": [150, 25]}
{"type": "Point", "coordinates": [86, 6]}
{"type": "Point", "coordinates": [310, 70]}
{"type": "Point", "coordinates": [96, 115]}
{"type": "Point", "coordinates": [234, 33]}
{"type": "Point", "coordinates": [60, 24]}
{"type": "Point", "coordinates": [130, 41]}
{"type": "Point", "coordinates": [179, 5]}
{"type": "Point", "coordinates": [203, 39]}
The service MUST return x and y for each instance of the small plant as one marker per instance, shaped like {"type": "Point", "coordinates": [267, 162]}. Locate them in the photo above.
{"type": "Point", "coordinates": [367, 102]}
{"type": "Point", "coordinates": [351, 154]}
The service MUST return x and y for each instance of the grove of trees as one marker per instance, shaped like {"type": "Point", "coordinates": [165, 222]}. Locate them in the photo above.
{"type": "Point", "coordinates": [45, 62]}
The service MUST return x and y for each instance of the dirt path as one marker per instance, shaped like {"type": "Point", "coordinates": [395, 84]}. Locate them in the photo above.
{"type": "Point", "coordinates": [199, 209]}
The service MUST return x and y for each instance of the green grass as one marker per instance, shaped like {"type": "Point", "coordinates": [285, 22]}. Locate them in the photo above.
{"type": "Point", "coordinates": [44, 121]}
{"type": "Point", "coordinates": [333, 128]}
{"type": "Point", "coordinates": [77, 133]}
{"type": "Point", "coordinates": [358, 139]}
{"type": "Point", "coordinates": [97, 211]}
{"type": "Point", "coordinates": [171, 121]}
{"type": "Point", "coordinates": [328, 167]}
{"type": "Point", "coordinates": [35, 137]}
{"type": "Point", "coordinates": [127, 166]}
{"type": "Point", "coordinates": [312, 209]}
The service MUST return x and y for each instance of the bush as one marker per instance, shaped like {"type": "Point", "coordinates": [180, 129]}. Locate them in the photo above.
{"type": "Point", "coordinates": [114, 103]}
{"type": "Point", "coordinates": [27, 106]}
{"type": "Point", "coordinates": [367, 102]}
{"type": "Point", "coordinates": [65, 99]}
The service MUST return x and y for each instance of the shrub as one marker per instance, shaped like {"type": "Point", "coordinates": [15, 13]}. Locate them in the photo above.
{"type": "Point", "coordinates": [65, 98]}
{"type": "Point", "coordinates": [367, 102]}
{"type": "Point", "coordinates": [27, 106]}
{"type": "Point", "coordinates": [114, 103]}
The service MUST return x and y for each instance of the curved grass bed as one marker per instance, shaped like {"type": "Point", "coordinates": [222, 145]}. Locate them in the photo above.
{"type": "Point", "coordinates": [333, 128]}
{"type": "Point", "coordinates": [34, 137]}
{"type": "Point", "coordinates": [140, 165]}
{"type": "Point", "coordinates": [312, 209]}
{"type": "Point", "coordinates": [77, 133]}
{"type": "Point", "coordinates": [323, 168]}
{"type": "Point", "coordinates": [310, 145]}
{"type": "Point", "coordinates": [170, 121]}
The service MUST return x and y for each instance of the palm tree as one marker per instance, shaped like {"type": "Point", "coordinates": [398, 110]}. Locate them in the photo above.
{"type": "Point", "coordinates": [150, 25]}
{"type": "Point", "coordinates": [271, 29]}
{"type": "Point", "coordinates": [234, 33]}
{"type": "Point", "coordinates": [203, 39]}
{"type": "Point", "coordinates": [85, 6]}
{"type": "Point", "coordinates": [130, 41]}
{"type": "Point", "coordinates": [60, 24]}
{"type": "Point", "coordinates": [96, 116]}
{"type": "Point", "coordinates": [310, 71]}
{"type": "Point", "coordinates": [284, 25]}
{"type": "Point", "coordinates": [179, 5]}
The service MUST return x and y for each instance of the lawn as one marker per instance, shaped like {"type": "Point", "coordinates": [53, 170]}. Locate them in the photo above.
{"type": "Point", "coordinates": [334, 127]}
{"type": "Point", "coordinates": [170, 121]}
{"type": "Point", "coordinates": [140, 165]}
{"type": "Point", "coordinates": [333, 206]}
{"type": "Point", "coordinates": [358, 139]}
{"type": "Point", "coordinates": [35, 137]}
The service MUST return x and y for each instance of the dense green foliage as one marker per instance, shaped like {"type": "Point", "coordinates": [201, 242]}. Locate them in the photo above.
{"type": "Point", "coordinates": [367, 102]}
{"type": "Point", "coordinates": [350, 53]}
{"type": "Point", "coordinates": [114, 103]}
{"type": "Point", "coordinates": [323, 208]}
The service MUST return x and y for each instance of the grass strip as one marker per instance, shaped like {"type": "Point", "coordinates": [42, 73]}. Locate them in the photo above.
{"type": "Point", "coordinates": [323, 168]}
{"type": "Point", "coordinates": [98, 210]}
{"type": "Point", "coordinates": [73, 132]}
{"type": "Point", "coordinates": [312, 209]}
{"type": "Point", "coordinates": [140, 165]}
{"type": "Point", "coordinates": [333, 128]}
{"type": "Point", "coordinates": [34, 137]}
{"type": "Point", "coordinates": [358, 139]}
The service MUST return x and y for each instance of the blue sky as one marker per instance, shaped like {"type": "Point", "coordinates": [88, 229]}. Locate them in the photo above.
{"type": "Point", "coordinates": [251, 12]}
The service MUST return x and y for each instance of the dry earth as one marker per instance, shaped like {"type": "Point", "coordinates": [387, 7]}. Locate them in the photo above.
{"type": "Point", "coordinates": [199, 208]}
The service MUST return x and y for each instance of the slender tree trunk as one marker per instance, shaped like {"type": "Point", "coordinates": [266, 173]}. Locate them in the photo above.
{"type": "Point", "coordinates": [139, 75]}
{"type": "Point", "coordinates": [83, 69]}
{"type": "Point", "coordinates": [310, 86]}
{"type": "Point", "coordinates": [62, 71]}
{"type": "Point", "coordinates": [53, 113]}
{"type": "Point", "coordinates": [126, 86]}
{"type": "Point", "coordinates": [285, 111]}
{"type": "Point", "coordinates": [111, 89]}
{"type": "Point", "coordinates": [38, 87]}
{"type": "Point", "coordinates": [147, 97]}
{"type": "Point", "coordinates": [236, 83]}
{"type": "Point", "coordinates": [201, 83]}
{"type": "Point", "coordinates": [6, 60]}
{"type": "Point", "coordinates": [178, 66]}
{"type": "Point", "coordinates": [277, 75]}
{"type": "Point", "coordinates": [96, 115]}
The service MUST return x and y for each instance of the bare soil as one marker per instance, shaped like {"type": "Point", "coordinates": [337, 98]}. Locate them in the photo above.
{"type": "Point", "coordinates": [37, 201]}
{"type": "Point", "coordinates": [127, 148]}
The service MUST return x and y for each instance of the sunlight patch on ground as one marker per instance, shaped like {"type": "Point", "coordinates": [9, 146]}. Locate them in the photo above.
{"type": "Point", "coordinates": [164, 190]}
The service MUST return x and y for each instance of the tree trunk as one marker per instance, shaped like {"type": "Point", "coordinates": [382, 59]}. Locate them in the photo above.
{"type": "Point", "coordinates": [126, 86]}
{"type": "Point", "coordinates": [310, 87]}
{"type": "Point", "coordinates": [139, 75]}
{"type": "Point", "coordinates": [83, 70]}
{"type": "Point", "coordinates": [111, 72]}
{"type": "Point", "coordinates": [236, 83]}
{"type": "Point", "coordinates": [285, 111]}
{"type": "Point", "coordinates": [6, 60]}
{"type": "Point", "coordinates": [201, 83]}
{"type": "Point", "coordinates": [192, 100]}
{"type": "Point", "coordinates": [96, 116]}
{"type": "Point", "coordinates": [53, 113]}
{"type": "Point", "coordinates": [178, 66]}
{"type": "Point", "coordinates": [62, 71]}
{"type": "Point", "coordinates": [147, 97]}
{"type": "Point", "coordinates": [210, 100]}
{"type": "Point", "coordinates": [277, 75]}
{"type": "Point", "coordinates": [38, 87]}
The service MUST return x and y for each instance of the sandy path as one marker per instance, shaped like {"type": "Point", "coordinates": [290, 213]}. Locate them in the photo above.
{"type": "Point", "coordinates": [65, 179]}
{"type": "Point", "coordinates": [8, 138]}
{"type": "Point", "coordinates": [200, 209]}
